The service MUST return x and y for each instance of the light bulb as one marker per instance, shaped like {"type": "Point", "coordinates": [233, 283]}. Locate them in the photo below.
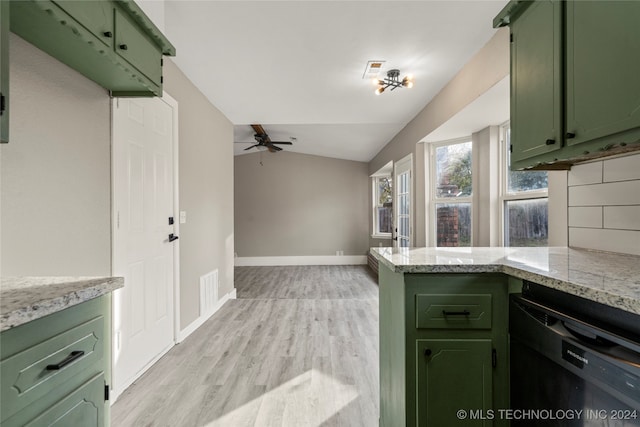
{"type": "Point", "coordinates": [374, 81]}
{"type": "Point", "coordinates": [379, 90]}
{"type": "Point", "coordinates": [409, 84]}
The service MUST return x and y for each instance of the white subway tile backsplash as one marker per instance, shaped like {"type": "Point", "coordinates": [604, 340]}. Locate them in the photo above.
{"type": "Point", "coordinates": [604, 205]}
{"type": "Point", "coordinates": [622, 169]}
{"type": "Point", "coordinates": [622, 217]}
{"type": "Point", "coordinates": [602, 239]}
{"type": "Point", "coordinates": [580, 216]}
{"type": "Point", "coordinates": [588, 173]}
{"type": "Point", "coordinates": [613, 193]}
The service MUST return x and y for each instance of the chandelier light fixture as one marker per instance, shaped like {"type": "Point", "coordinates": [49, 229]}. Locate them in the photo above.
{"type": "Point", "coordinates": [393, 81]}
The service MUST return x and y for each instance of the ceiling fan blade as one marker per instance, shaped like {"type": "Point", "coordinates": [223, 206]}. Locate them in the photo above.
{"type": "Point", "coordinates": [251, 147]}
{"type": "Point", "coordinates": [258, 129]}
{"type": "Point", "coordinates": [274, 148]}
{"type": "Point", "coordinates": [282, 142]}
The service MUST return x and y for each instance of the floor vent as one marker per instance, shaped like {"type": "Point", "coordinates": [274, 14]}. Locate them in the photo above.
{"type": "Point", "coordinates": [208, 292]}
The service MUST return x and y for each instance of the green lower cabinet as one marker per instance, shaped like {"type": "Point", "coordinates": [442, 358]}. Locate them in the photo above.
{"type": "Point", "coordinates": [83, 407]}
{"type": "Point", "coordinates": [54, 371]}
{"type": "Point", "coordinates": [455, 382]}
{"type": "Point", "coordinates": [444, 348]}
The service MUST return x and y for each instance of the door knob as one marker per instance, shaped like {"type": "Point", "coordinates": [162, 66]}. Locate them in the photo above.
{"type": "Point", "coordinates": [172, 237]}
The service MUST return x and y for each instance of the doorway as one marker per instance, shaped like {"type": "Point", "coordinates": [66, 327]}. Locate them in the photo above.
{"type": "Point", "coordinates": [403, 202]}
{"type": "Point", "coordinates": [145, 245]}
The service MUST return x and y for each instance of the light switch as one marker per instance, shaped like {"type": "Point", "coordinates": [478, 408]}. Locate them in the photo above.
{"type": "Point", "coordinates": [183, 217]}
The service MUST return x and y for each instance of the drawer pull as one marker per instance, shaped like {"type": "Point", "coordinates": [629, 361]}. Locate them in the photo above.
{"type": "Point", "coordinates": [456, 313]}
{"type": "Point", "coordinates": [70, 358]}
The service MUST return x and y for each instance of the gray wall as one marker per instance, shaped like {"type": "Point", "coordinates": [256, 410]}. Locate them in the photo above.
{"type": "Point", "coordinates": [206, 191]}
{"type": "Point", "coordinates": [483, 71]}
{"type": "Point", "coordinates": [56, 171]}
{"type": "Point", "coordinates": [56, 177]}
{"type": "Point", "coordinates": [297, 204]}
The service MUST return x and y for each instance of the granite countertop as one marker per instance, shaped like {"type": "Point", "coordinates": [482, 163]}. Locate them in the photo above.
{"type": "Point", "coordinates": [23, 299]}
{"type": "Point", "coordinates": [609, 278]}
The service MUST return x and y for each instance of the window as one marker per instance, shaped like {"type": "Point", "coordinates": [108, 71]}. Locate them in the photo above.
{"type": "Point", "coordinates": [524, 198]}
{"type": "Point", "coordinates": [382, 206]}
{"type": "Point", "coordinates": [452, 183]}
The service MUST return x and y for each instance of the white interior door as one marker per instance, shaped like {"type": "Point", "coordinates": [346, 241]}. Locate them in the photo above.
{"type": "Point", "coordinates": [143, 197]}
{"type": "Point", "coordinates": [402, 211]}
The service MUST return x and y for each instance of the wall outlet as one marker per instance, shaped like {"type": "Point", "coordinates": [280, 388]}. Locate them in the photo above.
{"type": "Point", "coordinates": [183, 217]}
{"type": "Point", "coordinates": [339, 253]}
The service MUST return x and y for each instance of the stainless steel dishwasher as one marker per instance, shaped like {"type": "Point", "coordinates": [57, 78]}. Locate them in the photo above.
{"type": "Point", "coordinates": [574, 362]}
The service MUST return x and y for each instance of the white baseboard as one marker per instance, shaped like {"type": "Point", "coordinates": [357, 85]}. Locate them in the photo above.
{"type": "Point", "coordinates": [301, 260]}
{"type": "Point", "coordinates": [183, 334]}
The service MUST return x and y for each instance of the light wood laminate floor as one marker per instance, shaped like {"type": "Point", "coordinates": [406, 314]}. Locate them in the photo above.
{"type": "Point", "coordinates": [299, 347]}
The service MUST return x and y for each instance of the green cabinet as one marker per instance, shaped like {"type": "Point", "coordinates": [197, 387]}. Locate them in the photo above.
{"type": "Point", "coordinates": [575, 75]}
{"type": "Point", "coordinates": [536, 66]}
{"type": "Point", "coordinates": [4, 71]}
{"type": "Point", "coordinates": [111, 42]}
{"type": "Point", "coordinates": [55, 370]}
{"type": "Point", "coordinates": [454, 375]}
{"type": "Point", "coordinates": [443, 348]}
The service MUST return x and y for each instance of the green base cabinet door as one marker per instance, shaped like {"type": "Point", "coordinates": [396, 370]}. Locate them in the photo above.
{"type": "Point", "coordinates": [84, 407]}
{"type": "Point", "coordinates": [455, 381]}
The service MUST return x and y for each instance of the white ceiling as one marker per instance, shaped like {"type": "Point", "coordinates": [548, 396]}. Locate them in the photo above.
{"type": "Point", "coordinates": [296, 66]}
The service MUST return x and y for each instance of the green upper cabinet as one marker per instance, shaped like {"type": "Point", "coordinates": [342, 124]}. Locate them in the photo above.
{"type": "Point", "coordinates": [4, 71]}
{"type": "Point", "coordinates": [603, 69]}
{"type": "Point", "coordinates": [536, 66]}
{"type": "Point", "coordinates": [575, 80]}
{"type": "Point", "coordinates": [112, 42]}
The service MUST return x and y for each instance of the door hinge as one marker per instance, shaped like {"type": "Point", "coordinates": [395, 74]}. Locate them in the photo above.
{"type": "Point", "coordinates": [106, 392]}
{"type": "Point", "coordinates": [2, 104]}
{"type": "Point", "coordinates": [511, 148]}
{"type": "Point", "coordinates": [511, 37]}
{"type": "Point", "coordinates": [494, 358]}
{"type": "Point", "coordinates": [161, 79]}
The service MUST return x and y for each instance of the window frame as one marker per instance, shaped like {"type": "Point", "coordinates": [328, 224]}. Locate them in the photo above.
{"type": "Point", "coordinates": [376, 234]}
{"type": "Point", "coordinates": [434, 201]}
{"type": "Point", "coordinates": [505, 194]}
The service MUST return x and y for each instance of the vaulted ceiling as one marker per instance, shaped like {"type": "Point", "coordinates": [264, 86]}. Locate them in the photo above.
{"type": "Point", "coordinates": [296, 67]}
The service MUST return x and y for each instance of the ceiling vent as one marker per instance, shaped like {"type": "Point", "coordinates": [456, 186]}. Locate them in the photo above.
{"type": "Point", "coordinates": [373, 69]}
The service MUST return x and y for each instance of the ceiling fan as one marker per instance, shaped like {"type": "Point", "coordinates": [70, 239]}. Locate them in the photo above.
{"type": "Point", "coordinates": [263, 140]}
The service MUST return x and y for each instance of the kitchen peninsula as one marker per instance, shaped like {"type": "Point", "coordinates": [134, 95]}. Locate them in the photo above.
{"type": "Point", "coordinates": [444, 320]}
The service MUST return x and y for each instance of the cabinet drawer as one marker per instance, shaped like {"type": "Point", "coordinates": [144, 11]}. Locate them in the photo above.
{"type": "Point", "coordinates": [442, 311]}
{"type": "Point", "coordinates": [84, 407]}
{"type": "Point", "coordinates": [137, 49]}
{"type": "Point", "coordinates": [97, 17]}
{"type": "Point", "coordinates": [32, 373]}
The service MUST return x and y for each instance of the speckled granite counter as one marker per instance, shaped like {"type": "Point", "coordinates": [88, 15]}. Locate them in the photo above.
{"type": "Point", "coordinates": [23, 299]}
{"type": "Point", "coordinates": [608, 278]}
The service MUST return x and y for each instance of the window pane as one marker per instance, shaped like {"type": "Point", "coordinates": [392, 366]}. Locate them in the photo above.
{"type": "Point", "coordinates": [526, 222]}
{"type": "Point", "coordinates": [453, 170]}
{"type": "Point", "coordinates": [384, 220]}
{"type": "Point", "coordinates": [453, 224]}
{"type": "Point", "coordinates": [518, 181]}
{"type": "Point", "coordinates": [384, 191]}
